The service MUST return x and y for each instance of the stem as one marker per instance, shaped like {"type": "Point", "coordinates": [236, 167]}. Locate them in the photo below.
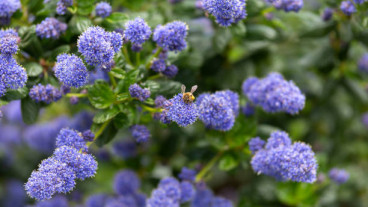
{"type": "Point", "coordinates": [138, 59]}
{"type": "Point", "coordinates": [79, 95]}
{"type": "Point", "coordinates": [154, 77]}
{"type": "Point", "coordinates": [150, 109]}
{"type": "Point", "coordinates": [126, 55]}
{"type": "Point", "coordinates": [148, 64]}
{"type": "Point", "coordinates": [112, 79]}
{"type": "Point", "coordinates": [99, 132]}
{"type": "Point", "coordinates": [208, 167]}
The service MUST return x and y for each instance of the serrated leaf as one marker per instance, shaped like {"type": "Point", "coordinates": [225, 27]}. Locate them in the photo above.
{"type": "Point", "coordinates": [101, 95]}
{"type": "Point", "coordinates": [33, 69]}
{"type": "Point", "coordinates": [30, 110]}
{"type": "Point", "coordinates": [105, 115]}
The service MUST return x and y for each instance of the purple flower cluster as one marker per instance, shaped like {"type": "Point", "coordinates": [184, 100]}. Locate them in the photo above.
{"type": "Point", "coordinates": [62, 6]}
{"type": "Point", "coordinates": [339, 176]}
{"type": "Point", "coordinates": [283, 160]}
{"type": "Point", "coordinates": [99, 47]}
{"type": "Point", "coordinates": [363, 63]}
{"type": "Point", "coordinates": [274, 94]}
{"type": "Point", "coordinates": [46, 94]}
{"type": "Point", "coordinates": [140, 133]}
{"type": "Point", "coordinates": [287, 5]}
{"type": "Point", "coordinates": [57, 173]}
{"type": "Point", "coordinates": [178, 111]}
{"type": "Point", "coordinates": [171, 36]}
{"type": "Point", "coordinates": [347, 7]}
{"type": "Point", "coordinates": [137, 32]}
{"type": "Point", "coordinates": [12, 75]}
{"type": "Point", "coordinates": [103, 9]}
{"type": "Point", "coordinates": [187, 174]}
{"type": "Point", "coordinates": [327, 14]}
{"type": "Point", "coordinates": [171, 193]}
{"type": "Point", "coordinates": [226, 12]}
{"type": "Point", "coordinates": [7, 9]}
{"type": "Point", "coordinates": [159, 65]}
{"type": "Point", "coordinates": [204, 197]}
{"type": "Point", "coordinates": [9, 40]}
{"type": "Point", "coordinates": [219, 110]}
{"type": "Point", "coordinates": [141, 94]}
{"type": "Point", "coordinates": [71, 71]}
{"type": "Point", "coordinates": [50, 28]}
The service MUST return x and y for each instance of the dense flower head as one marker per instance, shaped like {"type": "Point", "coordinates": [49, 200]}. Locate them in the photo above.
{"type": "Point", "coordinates": [256, 144]}
{"type": "Point", "coordinates": [46, 94]}
{"type": "Point", "coordinates": [121, 201]}
{"type": "Point", "coordinates": [98, 46]}
{"type": "Point", "coordinates": [285, 161]}
{"type": "Point", "coordinates": [12, 75]}
{"type": "Point", "coordinates": [137, 31]}
{"type": "Point", "coordinates": [339, 176]}
{"type": "Point", "coordinates": [158, 65]}
{"type": "Point", "coordinates": [141, 94]}
{"type": "Point", "coordinates": [71, 138]}
{"type": "Point", "coordinates": [171, 36]}
{"type": "Point", "coordinates": [140, 133]}
{"type": "Point", "coordinates": [187, 174]}
{"type": "Point", "coordinates": [7, 9]}
{"type": "Point", "coordinates": [363, 63]}
{"type": "Point", "coordinates": [50, 28]}
{"type": "Point", "coordinates": [71, 71]}
{"type": "Point", "coordinates": [171, 186]}
{"type": "Point", "coordinates": [287, 5]}
{"type": "Point", "coordinates": [41, 185]}
{"type": "Point", "coordinates": [327, 14]}
{"type": "Point", "coordinates": [274, 94]}
{"type": "Point", "coordinates": [347, 7]}
{"type": "Point", "coordinates": [125, 149]}
{"type": "Point", "coordinates": [178, 111]}
{"type": "Point", "coordinates": [9, 40]}
{"type": "Point", "coordinates": [202, 198]}
{"type": "Point", "coordinates": [57, 201]}
{"type": "Point", "coordinates": [96, 200]}
{"type": "Point", "coordinates": [221, 202]}
{"type": "Point", "coordinates": [103, 9]}
{"type": "Point", "coordinates": [159, 101]}
{"type": "Point", "coordinates": [62, 6]}
{"type": "Point", "coordinates": [187, 191]}
{"type": "Point", "coordinates": [170, 71]}
{"type": "Point", "coordinates": [126, 182]}
{"type": "Point", "coordinates": [88, 135]}
{"type": "Point", "coordinates": [159, 199]}
{"type": "Point", "coordinates": [226, 12]}
{"type": "Point", "coordinates": [232, 98]}
{"type": "Point", "coordinates": [359, 1]}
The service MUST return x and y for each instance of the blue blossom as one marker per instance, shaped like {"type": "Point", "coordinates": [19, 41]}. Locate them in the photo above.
{"type": "Point", "coordinates": [278, 139]}
{"type": "Point", "coordinates": [140, 133]}
{"type": "Point", "coordinates": [103, 9]}
{"type": "Point", "coordinates": [98, 46]}
{"type": "Point", "coordinates": [57, 201]}
{"type": "Point", "coordinates": [62, 6]}
{"type": "Point", "coordinates": [180, 112]}
{"type": "Point", "coordinates": [121, 201]}
{"type": "Point", "coordinates": [226, 12]}
{"type": "Point", "coordinates": [256, 144]}
{"type": "Point", "coordinates": [7, 9]}
{"type": "Point", "coordinates": [71, 138]}
{"type": "Point", "coordinates": [141, 94]}
{"type": "Point", "coordinates": [88, 135]}
{"type": "Point", "coordinates": [158, 65]}
{"type": "Point", "coordinates": [46, 94]}
{"type": "Point", "coordinates": [159, 101]}
{"type": "Point", "coordinates": [187, 191]}
{"type": "Point", "coordinates": [137, 31]}
{"type": "Point", "coordinates": [9, 40]}
{"type": "Point", "coordinates": [339, 176]}
{"type": "Point", "coordinates": [10, 135]}
{"type": "Point", "coordinates": [171, 36]}
{"type": "Point", "coordinates": [347, 7]}
{"type": "Point", "coordinates": [15, 195]}
{"type": "Point", "coordinates": [232, 98]}
{"type": "Point", "coordinates": [287, 5]}
{"type": "Point", "coordinates": [140, 199]}
{"type": "Point", "coordinates": [202, 198]}
{"type": "Point", "coordinates": [126, 182]}
{"type": "Point", "coordinates": [41, 185]}
{"type": "Point", "coordinates": [96, 200]}
{"type": "Point", "coordinates": [71, 71]}
{"type": "Point", "coordinates": [221, 202]}
{"type": "Point", "coordinates": [172, 189]}
{"type": "Point", "coordinates": [125, 149]}
{"type": "Point", "coordinates": [12, 75]}
{"type": "Point", "coordinates": [327, 14]}
{"type": "Point", "coordinates": [50, 28]}
{"type": "Point", "coordinates": [359, 1]}
{"type": "Point", "coordinates": [159, 199]}
{"type": "Point", "coordinates": [363, 63]}
{"type": "Point", "coordinates": [274, 94]}
{"type": "Point", "coordinates": [170, 71]}
{"type": "Point", "coordinates": [187, 174]}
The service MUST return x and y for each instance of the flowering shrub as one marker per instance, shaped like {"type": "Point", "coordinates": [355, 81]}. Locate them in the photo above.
{"type": "Point", "coordinates": [168, 103]}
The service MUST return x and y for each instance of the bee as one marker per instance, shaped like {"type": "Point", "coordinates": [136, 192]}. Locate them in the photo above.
{"type": "Point", "coordinates": [188, 96]}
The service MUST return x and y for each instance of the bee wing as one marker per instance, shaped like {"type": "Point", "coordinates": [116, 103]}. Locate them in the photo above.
{"type": "Point", "coordinates": [182, 89]}
{"type": "Point", "coordinates": [194, 88]}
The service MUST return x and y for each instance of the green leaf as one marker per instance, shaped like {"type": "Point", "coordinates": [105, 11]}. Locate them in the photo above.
{"type": "Point", "coordinates": [100, 95]}
{"type": "Point", "coordinates": [30, 110]}
{"type": "Point", "coordinates": [228, 162]}
{"type": "Point", "coordinates": [30, 42]}
{"type": "Point", "coordinates": [356, 90]}
{"type": "Point", "coordinates": [122, 97]}
{"type": "Point", "coordinates": [60, 50]}
{"type": "Point", "coordinates": [121, 120]}
{"type": "Point", "coordinates": [33, 69]}
{"type": "Point", "coordinates": [168, 87]}
{"type": "Point", "coordinates": [118, 73]}
{"type": "Point", "coordinates": [15, 94]}
{"type": "Point", "coordinates": [107, 135]}
{"type": "Point", "coordinates": [260, 32]}
{"type": "Point", "coordinates": [85, 7]}
{"type": "Point", "coordinates": [3, 103]}
{"type": "Point", "coordinates": [79, 24]}
{"type": "Point", "coordinates": [105, 115]}
{"type": "Point", "coordinates": [115, 20]}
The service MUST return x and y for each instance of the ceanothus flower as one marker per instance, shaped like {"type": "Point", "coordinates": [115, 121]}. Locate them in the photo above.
{"type": "Point", "coordinates": [57, 201]}
{"type": "Point", "coordinates": [359, 1]}
{"type": "Point", "coordinates": [226, 12]}
{"type": "Point", "coordinates": [141, 94]}
{"type": "Point", "coordinates": [88, 135]}
{"type": "Point", "coordinates": [98, 46]}
{"type": "Point", "coordinates": [221, 202]}
{"type": "Point", "coordinates": [287, 5]}
{"type": "Point", "coordinates": [187, 174]}
{"type": "Point", "coordinates": [339, 176]}
{"type": "Point", "coordinates": [178, 111]}
{"type": "Point", "coordinates": [274, 94]}
{"type": "Point", "coordinates": [327, 14]}
{"type": "Point", "coordinates": [46, 94]}
{"type": "Point", "coordinates": [159, 101]}
{"type": "Point", "coordinates": [232, 98]}
{"type": "Point", "coordinates": [103, 9]}
{"type": "Point", "coordinates": [363, 63]}
{"type": "Point", "coordinates": [121, 201]}
{"type": "Point", "coordinates": [7, 9]}
{"type": "Point", "coordinates": [158, 65]}
{"type": "Point", "coordinates": [285, 161]}
{"type": "Point", "coordinates": [140, 133]}
{"type": "Point", "coordinates": [187, 191]}
{"type": "Point", "coordinates": [171, 186]}
{"type": "Point", "coordinates": [256, 144]}
{"type": "Point", "coordinates": [137, 31]}
{"type": "Point", "coordinates": [12, 75]}
{"type": "Point", "coordinates": [347, 7]}
{"type": "Point", "coordinates": [126, 182]}
{"type": "Point", "coordinates": [125, 149]}
{"type": "Point", "coordinates": [96, 200]}
{"type": "Point", "coordinates": [202, 198]}
{"type": "Point", "coordinates": [71, 138]}
{"type": "Point", "coordinates": [171, 36]}
{"type": "Point", "coordinates": [170, 71]}
{"type": "Point", "coordinates": [71, 71]}
{"type": "Point", "coordinates": [159, 199]}
{"type": "Point", "coordinates": [62, 5]}
{"type": "Point", "coordinates": [9, 40]}
{"type": "Point", "coordinates": [50, 28]}
{"type": "Point", "coordinates": [41, 185]}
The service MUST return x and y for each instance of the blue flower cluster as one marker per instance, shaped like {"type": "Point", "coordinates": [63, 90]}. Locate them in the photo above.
{"type": "Point", "coordinates": [204, 197]}
{"type": "Point", "coordinates": [226, 12]}
{"type": "Point", "coordinates": [171, 193]}
{"type": "Point", "coordinates": [57, 173]}
{"type": "Point", "coordinates": [219, 110]}
{"type": "Point", "coordinates": [62, 6]}
{"type": "Point", "coordinates": [339, 176]}
{"type": "Point", "coordinates": [46, 94]}
{"type": "Point", "coordinates": [98, 46]}
{"type": "Point", "coordinates": [71, 71]}
{"type": "Point", "coordinates": [141, 94]}
{"type": "Point", "coordinates": [137, 32]}
{"type": "Point", "coordinates": [359, 1]}
{"type": "Point", "coordinates": [103, 9]}
{"type": "Point", "coordinates": [140, 133]}
{"type": "Point", "coordinates": [274, 94]}
{"type": "Point", "coordinates": [363, 63]}
{"type": "Point", "coordinates": [9, 40]}
{"type": "Point", "coordinates": [283, 160]}
{"type": "Point", "coordinates": [347, 7]}
{"type": "Point", "coordinates": [50, 28]}
{"type": "Point", "coordinates": [159, 65]}
{"type": "Point", "coordinates": [178, 111]}
{"type": "Point", "coordinates": [187, 174]}
{"type": "Point", "coordinates": [12, 75]}
{"type": "Point", "coordinates": [287, 5]}
{"type": "Point", "coordinates": [171, 36]}
{"type": "Point", "coordinates": [7, 9]}
{"type": "Point", "coordinates": [125, 149]}
{"type": "Point", "coordinates": [327, 14]}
